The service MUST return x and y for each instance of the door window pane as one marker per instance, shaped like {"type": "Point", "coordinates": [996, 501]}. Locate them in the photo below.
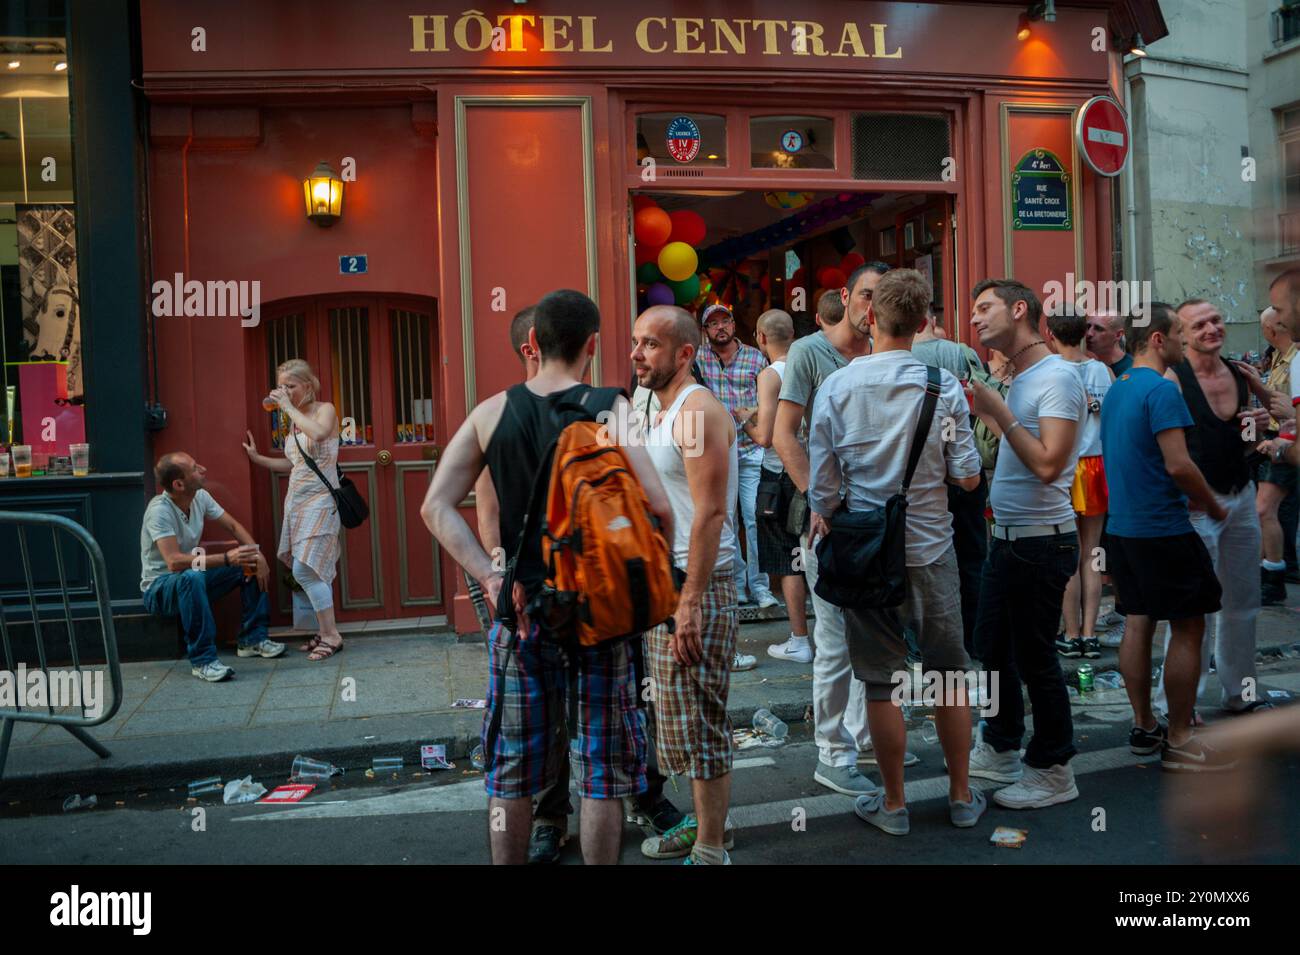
{"type": "Point", "coordinates": [412, 380]}
{"type": "Point", "coordinates": [286, 337]}
{"type": "Point", "coordinates": [350, 368]}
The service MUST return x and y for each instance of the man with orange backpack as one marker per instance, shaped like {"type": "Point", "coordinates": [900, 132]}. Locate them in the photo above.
{"type": "Point", "coordinates": [692, 443]}
{"type": "Point", "coordinates": [515, 434]}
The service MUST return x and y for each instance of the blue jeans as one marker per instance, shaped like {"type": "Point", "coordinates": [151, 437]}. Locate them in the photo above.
{"type": "Point", "coordinates": [189, 595]}
{"type": "Point", "coordinates": [1015, 635]}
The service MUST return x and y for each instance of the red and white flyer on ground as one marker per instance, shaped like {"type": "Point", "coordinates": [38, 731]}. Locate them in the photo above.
{"type": "Point", "coordinates": [294, 793]}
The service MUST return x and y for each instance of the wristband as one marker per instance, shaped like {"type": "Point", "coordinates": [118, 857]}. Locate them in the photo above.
{"type": "Point", "coordinates": [1011, 427]}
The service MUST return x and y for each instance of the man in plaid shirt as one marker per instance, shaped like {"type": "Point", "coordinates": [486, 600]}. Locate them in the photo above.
{"type": "Point", "coordinates": [730, 369]}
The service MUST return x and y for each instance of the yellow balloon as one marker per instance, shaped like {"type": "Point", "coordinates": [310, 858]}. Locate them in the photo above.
{"type": "Point", "coordinates": [677, 261]}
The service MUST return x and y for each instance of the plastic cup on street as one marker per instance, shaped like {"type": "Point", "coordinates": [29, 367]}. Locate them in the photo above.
{"type": "Point", "coordinates": [766, 722]}
{"type": "Point", "coordinates": [80, 459]}
{"type": "Point", "coordinates": [308, 770]}
{"type": "Point", "coordinates": [929, 732]}
{"type": "Point", "coordinates": [22, 460]}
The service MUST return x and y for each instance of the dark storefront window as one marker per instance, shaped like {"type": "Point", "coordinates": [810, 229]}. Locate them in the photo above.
{"type": "Point", "coordinates": [40, 310]}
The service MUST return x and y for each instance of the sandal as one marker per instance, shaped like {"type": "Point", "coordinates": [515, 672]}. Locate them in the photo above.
{"type": "Point", "coordinates": [312, 643]}
{"type": "Point", "coordinates": [324, 651]}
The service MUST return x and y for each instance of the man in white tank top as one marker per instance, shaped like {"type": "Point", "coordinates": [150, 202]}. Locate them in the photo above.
{"type": "Point", "coordinates": [692, 443]}
{"type": "Point", "coordinates": [778, 547]}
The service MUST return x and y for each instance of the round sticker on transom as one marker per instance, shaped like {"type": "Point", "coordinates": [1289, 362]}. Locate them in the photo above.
{"type": "Point", "coordinates": [683, 139]}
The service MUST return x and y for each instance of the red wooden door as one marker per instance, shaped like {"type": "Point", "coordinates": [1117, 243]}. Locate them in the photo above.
{"type": "Point", "coordinates": [375, 358]}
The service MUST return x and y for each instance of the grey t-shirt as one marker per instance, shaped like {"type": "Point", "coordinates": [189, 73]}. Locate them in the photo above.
{"type": "Point", "coordinates": [959, 359]}
{"type": "Point", "coordinates": [162, 518]}
{"type": "Point", "coordinates": [1050, 388]}
{"type": "Point", "coordinates": [811, 360]}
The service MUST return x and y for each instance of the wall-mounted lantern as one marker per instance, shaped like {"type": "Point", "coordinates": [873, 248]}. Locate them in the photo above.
{"type": "Point", "coordinates": [323, 193]}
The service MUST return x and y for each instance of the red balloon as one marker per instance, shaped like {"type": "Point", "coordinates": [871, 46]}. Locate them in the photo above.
{"type": "Point", "coordinates": [642, 202]}
{"type": "Point", "coordinates": [652, 226]}
{"type": "Point", "coordinates": [850, 262]}
{"type": "Point", "coordinates": [647, 253]}
{"type": "Point", "coordinates": [797, 278]}
{"type": "Point", "coordinates": [766, 283]}
{"type": "Point", "coordinates": [688, 227]}
{"type": "Point", "coordinates": [831, 277]}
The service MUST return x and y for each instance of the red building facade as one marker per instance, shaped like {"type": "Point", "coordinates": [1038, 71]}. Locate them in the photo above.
{"type": "Point", "coordinates": [491, 156]}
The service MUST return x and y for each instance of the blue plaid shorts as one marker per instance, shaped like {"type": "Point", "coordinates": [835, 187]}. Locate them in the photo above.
{"type": "Point", "coordinates": [609, 752]}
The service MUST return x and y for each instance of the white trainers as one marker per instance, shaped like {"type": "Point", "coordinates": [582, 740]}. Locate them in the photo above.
{"type": "Point", "coordinates": [1110, 619]}
{"type": "Point", "coordinates": [743, 661]}
{"type": "Point", "coordinates": [768, 600]}
{"type": "Point", "coordinates": [1039, 788]}
{"type": "Point", "coordinates": [213, 672]}
{"type": "Point", "coordinates": [266, 650]}
{"type": "Point", "coordinates": [988, 763]}
{"type": "Point", "coordinates": [795, 650]}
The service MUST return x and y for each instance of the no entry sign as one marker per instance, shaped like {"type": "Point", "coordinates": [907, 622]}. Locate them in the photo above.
{"type": "Point", "coordinates": [1102, 135]}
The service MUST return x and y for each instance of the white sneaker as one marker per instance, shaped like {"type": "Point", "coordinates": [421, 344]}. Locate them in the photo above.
{"type": "Point", "coordinates": [988, 763]}
{"type": "Point", "coordinates": [1039, 788]}
{"type": "Point", "coordinates": [213, 672]}
{"type": "Point", "coordinates": [768, 600]}
{"type": "Point", "coordinates": [266, 650]}
{"type": "Point", "coordinates": [1110, 619]}
{"type": "Point", "coordinates": [795, 650]}
{"type": "Point", "coordinates": [743, 661]}
{"type": "Point", "coordinates": [1114, 636]}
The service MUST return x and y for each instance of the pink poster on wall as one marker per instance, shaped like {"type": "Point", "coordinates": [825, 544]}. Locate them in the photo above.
{"type": "Point", "coordinates": [50, 421]}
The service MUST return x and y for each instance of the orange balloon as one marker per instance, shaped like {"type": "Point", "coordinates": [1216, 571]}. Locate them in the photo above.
{"type": "Point", "coordinates": [652, 226]}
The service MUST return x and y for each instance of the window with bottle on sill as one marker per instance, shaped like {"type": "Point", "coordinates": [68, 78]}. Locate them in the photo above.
{"type": "Point", "coordinates": [42, 390]}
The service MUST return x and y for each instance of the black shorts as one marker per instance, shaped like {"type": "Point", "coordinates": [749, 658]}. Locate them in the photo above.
{"type": "Point", "coordinates": [1277, 472]}
{"type": "Point", "coordinates": [777, 547]}
{"type": "Point", "coordinates": [1165, 578]}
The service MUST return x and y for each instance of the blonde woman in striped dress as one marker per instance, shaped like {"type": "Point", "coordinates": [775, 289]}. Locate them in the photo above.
{"type": "Point", "coordinates": [309, 531]}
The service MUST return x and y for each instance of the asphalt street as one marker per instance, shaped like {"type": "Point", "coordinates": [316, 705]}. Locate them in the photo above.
{"type": "Point", "coordinates": [441, 819]}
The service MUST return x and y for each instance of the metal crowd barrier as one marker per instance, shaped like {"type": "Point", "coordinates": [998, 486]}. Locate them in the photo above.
{"type": "Point", "coordinates": [73, 722]}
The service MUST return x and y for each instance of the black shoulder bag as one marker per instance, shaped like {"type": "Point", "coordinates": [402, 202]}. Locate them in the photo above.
{"type": "Point", "coordinates": [351, 506]}
{"type": "Point", "coordinates": [862, 562]}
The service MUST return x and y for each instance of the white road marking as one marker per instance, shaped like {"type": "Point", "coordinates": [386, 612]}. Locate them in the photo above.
{"type": "Point", "coordinates": [916, 790]}
{"type": "Point", "coordinates": [457, 797]}
{"type": "Point", "coordinates": [469, 796]}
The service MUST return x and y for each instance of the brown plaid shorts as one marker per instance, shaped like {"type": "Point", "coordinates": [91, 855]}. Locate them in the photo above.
{"type": "Point", "coordinates": [693, 734]}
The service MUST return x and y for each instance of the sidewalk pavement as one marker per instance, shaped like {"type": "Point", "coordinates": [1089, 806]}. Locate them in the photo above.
{"type": "Point", "coordinates": [173, 728]}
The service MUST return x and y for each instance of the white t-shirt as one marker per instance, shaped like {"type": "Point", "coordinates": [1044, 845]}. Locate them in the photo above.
{"type": "Point", "coordinates": [1096, 382]}
{"type": "Point", "coordinates": [1050, 388]}
{"type": "Point", "coordinates": [162, 518]}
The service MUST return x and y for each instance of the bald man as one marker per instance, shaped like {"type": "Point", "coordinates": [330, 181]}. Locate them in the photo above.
{"type": "Point", "coordinates": [778, 546]}
{"type": "Point", "coordinates": [179, 580]}
{"type": "Point", "coordinates": [692, 443]}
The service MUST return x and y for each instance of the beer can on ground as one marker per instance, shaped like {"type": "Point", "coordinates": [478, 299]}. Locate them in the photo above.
{"type": "Point", "coordinates": [1085, 678]}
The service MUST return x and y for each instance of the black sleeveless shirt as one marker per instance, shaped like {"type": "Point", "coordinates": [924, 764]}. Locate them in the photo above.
{"type": "Point", "coordinates": [528, 426]}
{"type": "Point", "coordinates": [1214, 444]}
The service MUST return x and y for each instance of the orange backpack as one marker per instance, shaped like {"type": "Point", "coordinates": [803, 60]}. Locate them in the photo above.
{"type": "Point", "coordinates": [609, 571]}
